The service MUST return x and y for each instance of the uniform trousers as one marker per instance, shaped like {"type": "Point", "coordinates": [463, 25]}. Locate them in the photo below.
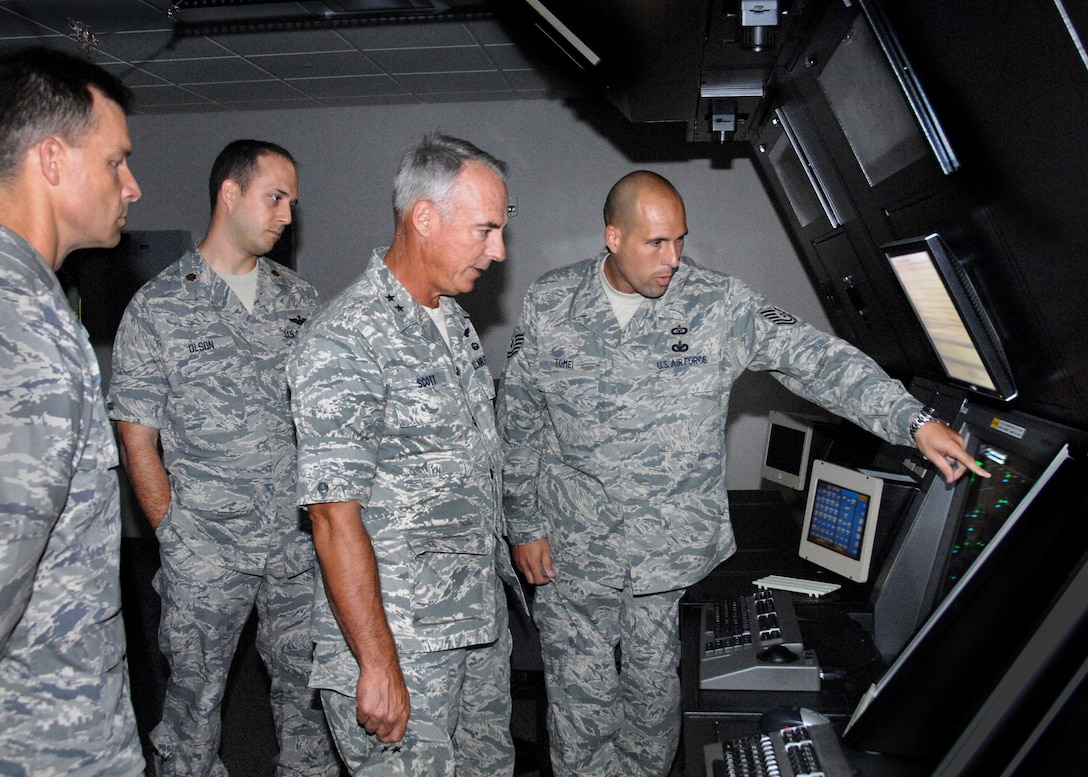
{"type": "Point", "coordinates": [459, 723]}
{"type": "Point", "coordinates": [205, 606]}
{"type": "Point", "coordinates": [611, 663]}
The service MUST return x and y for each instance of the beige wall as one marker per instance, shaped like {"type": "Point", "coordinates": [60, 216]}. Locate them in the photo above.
{"type": "Point", "coordinates": [561, 166]}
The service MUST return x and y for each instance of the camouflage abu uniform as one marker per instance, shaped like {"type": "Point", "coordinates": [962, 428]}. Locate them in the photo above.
{"type": "Point", "coordinates": [388, 417]}
{"type": "Point", "coordinates": [615, 451]}
{"type": "Point", "coordinates": [192, 362]}
{"type": "Point", "coordinates": [64, 698]}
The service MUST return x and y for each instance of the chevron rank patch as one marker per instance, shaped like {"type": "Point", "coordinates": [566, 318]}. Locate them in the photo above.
{"type": "Point", "coordinates": [778, 316]}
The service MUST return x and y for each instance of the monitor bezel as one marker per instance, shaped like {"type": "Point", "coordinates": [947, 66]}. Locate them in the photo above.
{"type": "Point", "coordinates": [797, 480]}
{"type": "Point", "coordinates": [850, 568]}
{"type": "Point", "coordinates": [964, 300]}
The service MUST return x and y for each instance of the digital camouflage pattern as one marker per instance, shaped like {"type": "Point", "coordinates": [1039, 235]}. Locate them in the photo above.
{"type": "Point", "coordinates": [192, 362]}
{"type": "Point", "coordinates": [615, 452]}
{"type": "Point", "coordinates": [442, 739]}
{"type": "Point", "coordinates": [203, 605]}
{"type": "Point", "coordinates": [615, 441]}
{"type": "Point", "coordinates": [64, 697]}
{"type": "Point", "coordinates": [389, 417]}
{"type": "Point", "coordinates": [586, 703]}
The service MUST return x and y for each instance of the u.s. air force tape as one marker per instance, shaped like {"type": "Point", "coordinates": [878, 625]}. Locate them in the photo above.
{"type": "Point", "coordinates": [515, 344]}
{"type": "Point", "coordinates": [778, 316]}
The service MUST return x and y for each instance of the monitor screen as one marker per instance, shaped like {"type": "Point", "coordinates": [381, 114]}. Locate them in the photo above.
{"type": "Point", "coordinates": [785, 455]}
{"type": "Point", "coordinates": [839, 529]}
{"type": "Point", "coordinates": [948, 668]}
{"type": "Point", "coordinates": [988, 504]}
{"type": "Point", "coordinates": [951, 315]}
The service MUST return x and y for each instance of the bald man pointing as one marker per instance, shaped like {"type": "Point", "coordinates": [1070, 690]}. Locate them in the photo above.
{"type": "Point", "coordinates": [612, 408]}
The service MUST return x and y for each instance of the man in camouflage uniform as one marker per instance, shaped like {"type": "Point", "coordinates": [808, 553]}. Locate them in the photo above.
{"type": "Point", "coordinates": [199, 365]}
{"type": "Point", "coordinates": [612, 411]}
{"type": "Point", "coordinates": [64, 184]}
{"type": "Point", "coordinates": [399, 463]}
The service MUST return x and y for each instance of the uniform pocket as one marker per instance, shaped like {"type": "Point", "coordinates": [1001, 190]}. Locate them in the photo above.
{"type": "Point", "coordinates": [450, 577]}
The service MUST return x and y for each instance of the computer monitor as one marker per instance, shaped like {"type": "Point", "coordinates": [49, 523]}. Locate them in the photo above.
{"type": "Point", "coordinates": [840, 524]}
{"type": "Point", "coordinates": [951, 315]}
{"type": "Point", "coordinates": [939, 681]}
{"type": "Point", "coordinates": [787, 450]}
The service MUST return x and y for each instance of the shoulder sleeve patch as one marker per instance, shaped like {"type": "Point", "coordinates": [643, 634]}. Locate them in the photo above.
{"type": "Point", "coordinates": [515, 344]}
{"type": "Point", "coordinates": [778, 316]}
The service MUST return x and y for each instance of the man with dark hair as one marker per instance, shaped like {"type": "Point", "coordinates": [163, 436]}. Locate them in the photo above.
{"type": "Point", "coordinates": [612, 411]}
{"type": "Point", "coordinates": [198, 368]}
{"type": "Point", "coordinates": [64, 184]}
{"type": "Point", "coordinates": [399, 464]}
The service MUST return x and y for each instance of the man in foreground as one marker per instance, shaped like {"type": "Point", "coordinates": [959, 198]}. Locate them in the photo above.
{"type": "Point", "coordinates": [64, 184]}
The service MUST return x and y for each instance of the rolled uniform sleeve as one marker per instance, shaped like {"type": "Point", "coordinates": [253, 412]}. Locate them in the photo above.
{"type": "Point", "coordinates": [337, 398]}
{"type": "Point", "coordinates": [138, 384]}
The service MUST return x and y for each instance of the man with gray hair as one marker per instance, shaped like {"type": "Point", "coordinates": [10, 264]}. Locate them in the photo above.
{"type": "Point", "coordinates": [64, 184]}
{"type": "Point", "coordinates": [399, 464]}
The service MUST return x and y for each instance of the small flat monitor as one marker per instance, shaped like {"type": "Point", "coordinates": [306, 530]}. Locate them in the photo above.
{"type": "Point", "coordinates": [839, 529]}
{"type": "Point", "coordinates": [786, 454]}
{"type": "Point", "coordinates": [951, 314]}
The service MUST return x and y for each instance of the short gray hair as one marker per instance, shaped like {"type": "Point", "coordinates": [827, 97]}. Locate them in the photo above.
{"type": "Point", "coordinates": [429, 169]}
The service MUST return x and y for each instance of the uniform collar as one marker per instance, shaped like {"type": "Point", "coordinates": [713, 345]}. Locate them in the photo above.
{"type": "Point", "coordinates": [405, 311]}
{"type": "Point", "coordinates": [591, 307]}
{"type": "Point", "coordinates": [195, 272]}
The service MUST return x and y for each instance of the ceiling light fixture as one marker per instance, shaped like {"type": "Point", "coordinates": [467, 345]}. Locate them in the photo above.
{"type": "Point", "coordinates": [226, 17]}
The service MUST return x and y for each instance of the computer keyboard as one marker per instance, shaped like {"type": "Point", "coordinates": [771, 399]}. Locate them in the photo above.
{"type": "Point", "coordinates": [754, 642]}
{"type": "Point", "coordinates": [796, 751]}
{"type": "Point", "coordinates": [797, 585]}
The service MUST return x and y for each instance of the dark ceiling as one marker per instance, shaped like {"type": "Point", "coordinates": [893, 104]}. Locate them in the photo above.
{"type": "Point", "coordinates": [206, 55]}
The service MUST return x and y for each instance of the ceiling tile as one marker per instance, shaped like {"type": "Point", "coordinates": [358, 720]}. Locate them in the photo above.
{"type": "Point", "coordinates": [454, 83]}
{"type": "Point", "coordinates": [200, 71]}
{"type": "Point", "coordinates": [324, 88]}
{"type": "Point", "coordinates": [325, 64]}
{"type": "Point", "coordinates": [294, 42]}
{"type": "Point", "coordinates": [378, 62]}
{"type": "Point", "coordinates": [432, 60]}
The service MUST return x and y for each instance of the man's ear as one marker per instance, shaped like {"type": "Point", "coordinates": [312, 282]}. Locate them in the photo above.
{"type": "Point", "coordinates": [52, 157]}
{"type": "Point", "coordinates": [229, 192]}
{"type": "Point", "coordinates": [612, 235]}
{"type": "Point", "coordinates": [423, 216]}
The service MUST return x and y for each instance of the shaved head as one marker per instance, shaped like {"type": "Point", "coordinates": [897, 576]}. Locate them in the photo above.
{"type": "Point", "coordinates": [620, 206]}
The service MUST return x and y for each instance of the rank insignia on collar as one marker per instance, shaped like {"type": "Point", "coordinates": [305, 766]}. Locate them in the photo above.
{"type": "Point", "coordinates": [299, 320]}
{"type": "Point", "coordinates": [191, 276]}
